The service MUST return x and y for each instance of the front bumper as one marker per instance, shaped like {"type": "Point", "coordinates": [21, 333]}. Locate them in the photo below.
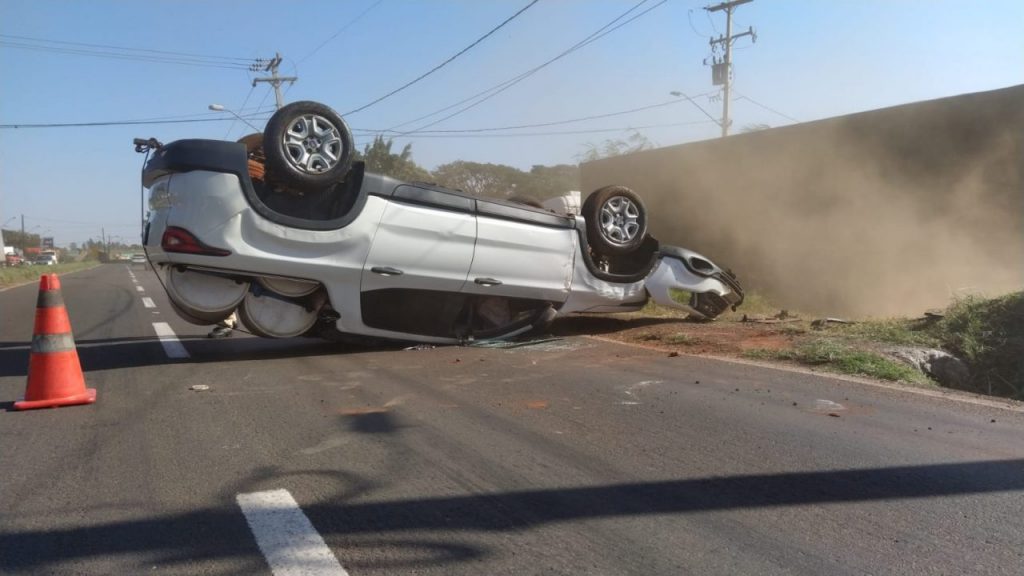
{"type": "Point", "coordinates": [685, 280]}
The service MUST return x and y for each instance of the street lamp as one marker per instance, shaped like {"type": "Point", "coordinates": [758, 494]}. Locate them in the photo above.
{"type": "Point", "coordinates": [679, 94]}
{"type": "Point", "coordinates": [220, 108]}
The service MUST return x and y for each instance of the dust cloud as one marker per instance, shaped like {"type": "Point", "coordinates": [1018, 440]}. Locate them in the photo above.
{"type": "Point", "coordinates": [885, 213]}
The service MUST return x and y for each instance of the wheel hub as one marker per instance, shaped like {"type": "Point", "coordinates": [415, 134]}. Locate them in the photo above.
{"type": "Point", "coordinates": [620, 220]}
{"type": "Point", "coordinates": [313, 144]}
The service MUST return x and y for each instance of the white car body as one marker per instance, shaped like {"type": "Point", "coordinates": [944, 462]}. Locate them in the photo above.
{"type": "Point", "coordinates": [401, 244]}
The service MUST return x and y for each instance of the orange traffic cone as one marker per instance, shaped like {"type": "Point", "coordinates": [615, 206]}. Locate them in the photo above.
{"type": "Point", "coordinates": [54, 372]}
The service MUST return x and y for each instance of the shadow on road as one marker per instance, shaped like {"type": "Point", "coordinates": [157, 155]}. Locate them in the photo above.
{"type": "Point", "coordinates": [108, 354]}
{"type": "Point", "coordinates": [591, 325]}
{"type": "Point", "coordinates": [222, 533]}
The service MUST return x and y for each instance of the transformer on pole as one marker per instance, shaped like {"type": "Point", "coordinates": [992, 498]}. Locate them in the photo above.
{"type": "Point", "coordinates": [721, 68]}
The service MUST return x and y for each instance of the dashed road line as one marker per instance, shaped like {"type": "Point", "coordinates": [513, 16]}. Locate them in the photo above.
{"type": "Point", "coordinates": [148, 302]}
{"type": "Point", "coordinates": [288, 540]}
{"type": "Point", "coordinates": [169, 340]}
{"type": "Point", "coordinates": [140, 288]}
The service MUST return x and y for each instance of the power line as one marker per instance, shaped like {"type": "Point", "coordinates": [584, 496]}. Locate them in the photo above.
{"type": "Point", "coordinates": [258, 112]}
{"type": "Point", "coordinates": [689, 18]}
{"type": "Point", "coordinates": [117, 123]}
{"type": "Point", "coordinates": [428, 135]}
{"type": "Point", "coordinates": [501, 85]}
{"type": "Point", "coordinates": [772, 110]}
{"type": "Point", "coordinates": [124, 56]}
{"type": "Point", "coordinates": [698, 106]}
{"type": "Point", "coordinates": [126, 48]}
{"type": "Point", "coordinates": [235, 119]}
{"type": "Point", "coordinates": [267, 95]}
{"type": "Point", "coordinates": [338, 33]}
{"type": "Point", "coordinates": [498, 89]}
{"type": "Point", "coordinates": [554, 123]}
{"type": "Point", "coordinates": [446, 62]}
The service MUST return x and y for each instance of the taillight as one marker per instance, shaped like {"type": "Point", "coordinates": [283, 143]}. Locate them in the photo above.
{"type": "Point", "coordinates": [180, 240]}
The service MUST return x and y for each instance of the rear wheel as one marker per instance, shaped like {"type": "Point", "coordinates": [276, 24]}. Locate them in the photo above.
{"type": "Point", "coordinates": [616, 220]}
{"type": "Point", "coordinates": [308, 146]}
{"type": "Point", "coordinates": [271, 316]}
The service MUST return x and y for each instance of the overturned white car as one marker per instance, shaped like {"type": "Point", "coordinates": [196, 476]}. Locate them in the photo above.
{"type": "Point", "coordinates": [286, 230]}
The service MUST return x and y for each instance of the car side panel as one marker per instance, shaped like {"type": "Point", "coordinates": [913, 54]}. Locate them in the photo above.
{"type": "Point", "coordinates": [529, 261]}
{"type": "Point", "coordinates": [420, 248]}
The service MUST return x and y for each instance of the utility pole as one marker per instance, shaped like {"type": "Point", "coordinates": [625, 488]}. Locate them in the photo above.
{"type": "Point", "coordinates": [721, 70]}
{"type": "Point", "coordinates": [23, 235]}
{"type": "Point", "coordinates": [274, 79]}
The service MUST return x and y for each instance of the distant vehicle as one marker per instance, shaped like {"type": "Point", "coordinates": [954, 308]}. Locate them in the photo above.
{"type": "Point", "coordinates": [285, 229]}
{"type": "Point", "coordinates": [139, 260]}
{"type": "Point", "coordinates": [13, 260]}
{"type": "Point", "coordinates": [45, 260]}
{"type": "Point", "coordinates": [50, 254]}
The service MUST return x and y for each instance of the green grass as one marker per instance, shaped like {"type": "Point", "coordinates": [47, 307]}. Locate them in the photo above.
{"type": "Point", "coordinates": [21, 274]}
{"type": "Point", "coordinates": [840, 357]}
{"type": "Point", "coordinates": [757, 304]}
{"type": "Point", "coordinates": [988, 334]}
{"type": "Point", "coordinates": [899, 331]}
{"type": "Point", "coordinates": [754, 304]}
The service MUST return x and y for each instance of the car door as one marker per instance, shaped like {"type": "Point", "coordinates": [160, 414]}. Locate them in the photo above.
{"type": "Point", "coordinates": [424, 242]}
{"type": "Point", "coordinates": [521, 253]}
{"type": "Point", "coordinates": [418, 262]}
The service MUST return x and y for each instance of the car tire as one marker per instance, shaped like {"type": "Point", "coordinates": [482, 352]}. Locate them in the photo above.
{"type": "Point", "coordinates": [616, 220]}
{"type": "Point", "coordinates": [308, 146]}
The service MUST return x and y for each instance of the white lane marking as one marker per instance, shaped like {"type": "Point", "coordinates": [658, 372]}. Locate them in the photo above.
{"type": "Point", "coordinates": [140, 288]}
{"type": "Point", "coordinates": [286, 537]}
{"type": "Point", "coordinates": [169, 340]}
{"type": "Point", "coordinates": [148, 302]}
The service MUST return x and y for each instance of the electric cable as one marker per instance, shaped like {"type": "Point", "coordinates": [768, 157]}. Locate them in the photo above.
{"type": "Point", "coordinates": [126, 48]}
{"type": "Point", "coordinates": [552, 133]}
{"type": "Point", "coordinates": [446, 62]}
{"type": "Point", "coordinates": [589, 40]}
{"type": "Point", "coordinates": [125, 56]}
{"type": "Point", "coordinates": [554, 123]}
{"type": "Point", "coordinates": [235, 119]}
{"type": "Point", "coordinates": [772, 110]}
{"type": "Point", "coordinates": [514, 78]}
{"type": "Point", "coordinates": [342, 29]}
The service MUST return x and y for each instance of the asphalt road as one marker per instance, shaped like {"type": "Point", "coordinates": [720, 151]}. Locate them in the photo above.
{"type": "Point", "coordinates": [575, 456]}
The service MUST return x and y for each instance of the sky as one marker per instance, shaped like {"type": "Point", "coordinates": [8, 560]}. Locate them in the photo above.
{"type": "Point", "coordinates": [812, 59]}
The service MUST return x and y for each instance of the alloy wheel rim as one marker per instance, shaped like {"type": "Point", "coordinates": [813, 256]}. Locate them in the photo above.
{"type": "Point", "coordinates": [312, 144]}
{"type": "Point", "coordinates": [620, 220]}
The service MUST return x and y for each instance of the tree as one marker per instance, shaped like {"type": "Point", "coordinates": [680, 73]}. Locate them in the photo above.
{"type": "Point", "coordinates": [495, 180]}
{"type": "Point", "coordinates": [380, 159]}
{"type": "Point", "coordinates": [543, 182]}
{"type": "Point", "coordinates": [634, 143]}
{"type": "Point", "coordinates": [21, 241]}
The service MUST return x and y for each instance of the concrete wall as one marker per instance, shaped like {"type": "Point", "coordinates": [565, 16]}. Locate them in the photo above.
{"type": "Point", "coordinates": [885, 212]}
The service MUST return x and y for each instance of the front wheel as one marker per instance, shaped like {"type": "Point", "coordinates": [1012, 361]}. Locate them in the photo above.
{"type": "Point", "coordinates": [616, 220]}
{"type": "Point", "coordinates": [308, 146]}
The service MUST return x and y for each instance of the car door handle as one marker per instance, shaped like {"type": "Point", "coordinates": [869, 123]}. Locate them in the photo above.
{"type": "Point", "coordinates": [487, 282]}
{"type": "Point", "coordinates": [386, 271]}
